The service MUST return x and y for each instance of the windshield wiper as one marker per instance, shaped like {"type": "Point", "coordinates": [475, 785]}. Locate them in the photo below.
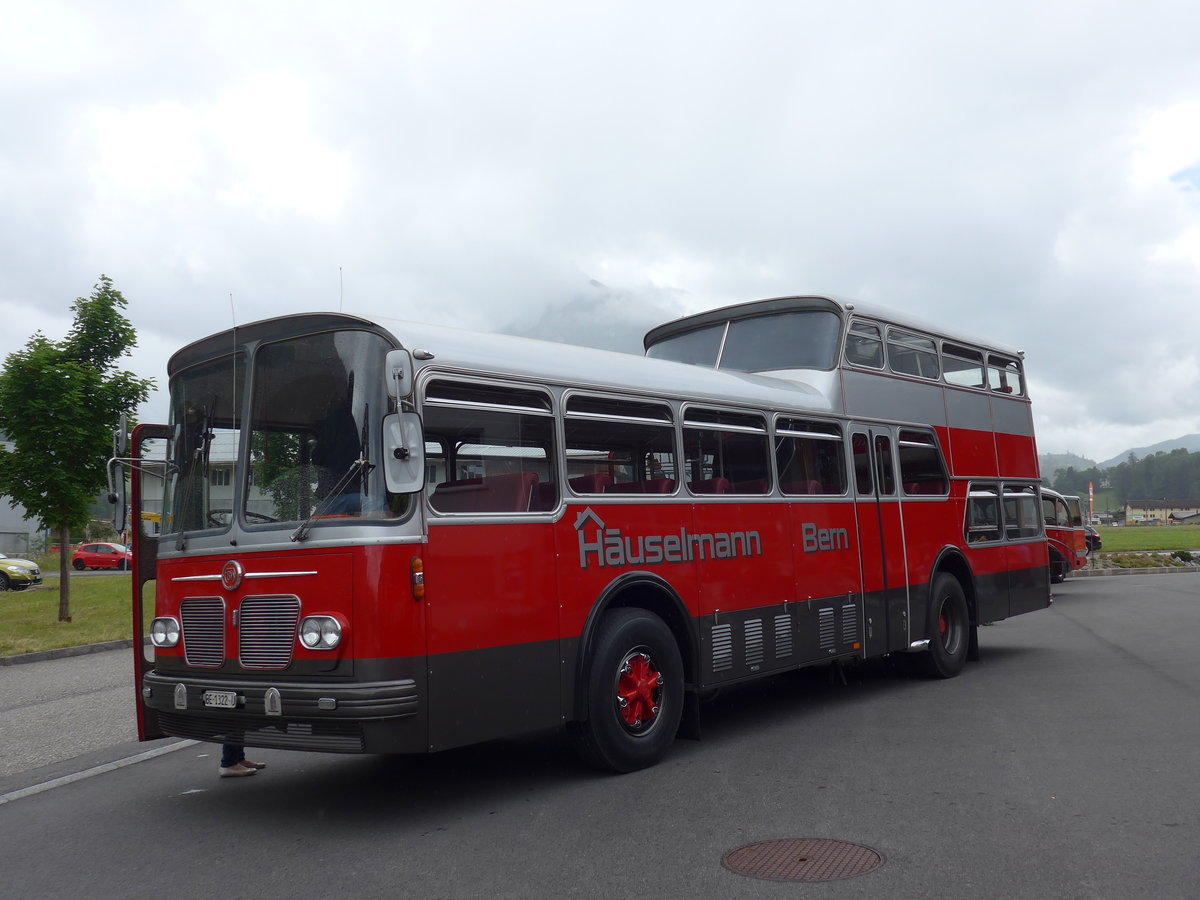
{"type": "Point", "coordinates": [360, 468]}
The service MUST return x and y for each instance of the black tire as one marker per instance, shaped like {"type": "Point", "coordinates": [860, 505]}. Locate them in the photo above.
{"type": "Point", "coordinates": [122, 565]}
{"type": "Point", "coordinates": [3, 582]}
{"type": "Point", "coordinates": [78, 564]}
{"type": "Point", "coordinates": [634, 689]}
{"type": "Point", "coordinates": [1058, 568]}
{"type": "Point", "coordinates": [949, 629]}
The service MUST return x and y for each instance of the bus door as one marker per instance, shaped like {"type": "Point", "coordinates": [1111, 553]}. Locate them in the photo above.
{"type": "Point", "coordinates": [880, 540]}
{"type": "Point", "coordinates": [491, 602]}
{"type": "Point", "coordinates": [145, 478]}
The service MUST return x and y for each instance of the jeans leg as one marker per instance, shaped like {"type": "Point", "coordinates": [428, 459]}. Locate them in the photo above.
{"type": "Point", "coordinates": [231, 755]}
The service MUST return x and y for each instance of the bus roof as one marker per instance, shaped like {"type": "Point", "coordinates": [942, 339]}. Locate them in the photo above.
{"type": "Point", "coordinates": [508, 356]}
{"type": "Point", "coordinates": [843, 306]}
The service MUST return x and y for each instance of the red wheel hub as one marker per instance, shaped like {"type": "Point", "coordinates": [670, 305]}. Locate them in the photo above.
{"type": "Point", "coordinates": [639, 689]}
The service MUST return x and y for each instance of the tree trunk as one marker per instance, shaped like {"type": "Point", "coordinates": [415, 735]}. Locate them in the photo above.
{"type": "Point", "coordinates": [64, 573]}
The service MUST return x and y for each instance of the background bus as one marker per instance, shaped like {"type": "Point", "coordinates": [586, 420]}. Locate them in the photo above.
{"type": "Point", "coordinates": [1065, 534]}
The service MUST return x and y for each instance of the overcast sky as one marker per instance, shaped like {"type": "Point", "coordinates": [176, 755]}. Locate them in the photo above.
{"type": "Point", "coordinates": [1028, 171]}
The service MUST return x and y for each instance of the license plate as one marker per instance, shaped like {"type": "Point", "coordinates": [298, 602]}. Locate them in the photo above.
{"type": "Point", "coordinates": [221, 699]}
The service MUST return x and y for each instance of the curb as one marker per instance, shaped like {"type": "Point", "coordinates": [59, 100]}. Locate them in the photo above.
{"type": "Point", "coordinates": [64, 652]}
{"type": "Point", "coordinates": [1149, 570]}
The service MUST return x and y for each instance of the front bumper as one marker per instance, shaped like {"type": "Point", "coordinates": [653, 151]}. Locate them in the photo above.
{"type": "Point", "coordinates": [20, 582]}
{"type": "Point", "coordinates": [287, 700]}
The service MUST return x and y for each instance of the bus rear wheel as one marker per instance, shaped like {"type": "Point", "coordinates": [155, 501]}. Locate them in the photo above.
{"type": "Point", "coordinates": [949, 629]}
{"type": "Point", "coordinates": [634, 688]}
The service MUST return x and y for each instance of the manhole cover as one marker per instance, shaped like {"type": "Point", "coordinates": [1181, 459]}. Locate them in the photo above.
{"type": "Point", "coordinates": [803, 859]}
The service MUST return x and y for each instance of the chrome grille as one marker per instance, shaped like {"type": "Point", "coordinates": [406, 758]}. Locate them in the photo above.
{"type": "Point", "coordinates": [783, 636]}
{"type": "Point", "coordinates": [849, 624]}
{"type": "Point", "coordinates": [267, 631]}
{"type": "Point", "coordinates": [825, 627]}
{"type": "Point", "coordinates": [203, 621]}
{"type": "Point", "coordinates": [722, 647]}
{"type": "Point", "coordinates": [754, 642]}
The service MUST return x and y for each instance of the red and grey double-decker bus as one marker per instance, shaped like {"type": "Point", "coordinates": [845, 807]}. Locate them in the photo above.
{"type": "Point", "coordinates": [379, 536]}
{"type": "Point", "coordinates": [1065, 534]}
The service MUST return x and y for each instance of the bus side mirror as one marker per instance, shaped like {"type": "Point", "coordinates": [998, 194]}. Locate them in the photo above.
{"type": "Point", "coordinates": [403, 453]}
{"type": "Point", "coordinates": [116, 494]}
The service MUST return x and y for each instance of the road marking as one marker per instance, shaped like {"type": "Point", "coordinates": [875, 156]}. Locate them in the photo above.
{"type": "Point", "coordinates": [95, 770]}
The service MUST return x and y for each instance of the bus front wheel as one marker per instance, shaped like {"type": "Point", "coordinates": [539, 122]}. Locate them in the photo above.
{"type": "Point", "coordinates": [634, 687]}
{"type": "Point", "coordinates": [949, 629]}
{"type": "Point", "coordinates": [1058, 568]}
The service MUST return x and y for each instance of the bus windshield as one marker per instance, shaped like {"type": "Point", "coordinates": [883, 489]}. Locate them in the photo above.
{"type": "Point", "coordinates": [305, 452]}
{"type": "Point", "coordinates": [796, 339]}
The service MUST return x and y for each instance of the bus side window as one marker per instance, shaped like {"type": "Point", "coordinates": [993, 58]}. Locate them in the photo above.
{"type": "Point", "coordinates": [922, 470]}
{"type": "Point", "coordinates": [983, 514]}
{"type": "Point", "coordinates": [1021, 518]}
{"type": "Point", "coordinates": [912, 354]}
{"type": "Point", "coordinates": [962, 366]}
{"type": "Point", "coordinates": [862, 465]}
{"type": "Point", "coordinates": [1004, 375]}
{"type": "Point", "coordinates": [883, 462]}
{"type": "Point", "coordinates": [719, 461]}
{"type": "Point", "coordinates": [619, 446]}
{"type": "Point", "coordinates": [864, 345]}
{"type": "Point", "coordinates": [493, 448]}
{"type": "Point", "coordinates": [810, 457]}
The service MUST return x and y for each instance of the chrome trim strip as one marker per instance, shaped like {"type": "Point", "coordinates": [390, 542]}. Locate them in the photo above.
{"type": "Point", "coordinates": [248, 575]}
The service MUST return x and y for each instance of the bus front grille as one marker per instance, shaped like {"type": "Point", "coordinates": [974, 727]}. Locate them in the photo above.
{"type": "Point", "coordinates": [203, 621]}
{"type": "Point", "coordinates": [267, 631]}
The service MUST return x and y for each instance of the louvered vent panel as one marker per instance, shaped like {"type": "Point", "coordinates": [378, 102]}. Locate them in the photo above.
{"type": "Point", "coordinates": [783, 636]}
{"type": "Point", "coordinates": [754, 642]}
{"type": "Point", "coordinates": [267, 631]}
{"type": "Point", "coordinates": [826, 628]}
{"type": "Point", "coordinates": [203, 621]}
{"type": "Point", "coordinates": [849, 623]}
{"type": "Point", "coordinates": [722, 647]}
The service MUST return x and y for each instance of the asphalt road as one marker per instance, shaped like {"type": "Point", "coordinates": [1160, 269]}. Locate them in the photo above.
{"type": "Point", "coordinates": [1064, 765]}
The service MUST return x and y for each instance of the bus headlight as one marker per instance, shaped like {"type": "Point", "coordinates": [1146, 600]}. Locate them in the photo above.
{"type": "Point", "coordinates": [320, 632]}
{"type": "Point", "coordinates": [164, 632]}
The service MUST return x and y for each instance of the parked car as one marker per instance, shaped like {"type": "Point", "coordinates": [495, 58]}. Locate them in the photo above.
{"type": "Point", "coordinates": [18, 574]}
{"type": "Point", "coordinates": [101, 556]}
{"type": "Point", "coordinates": [1093, 539]}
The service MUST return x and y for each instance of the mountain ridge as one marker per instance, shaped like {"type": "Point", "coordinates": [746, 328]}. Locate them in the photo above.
{"type": "Point", "coordinates": [1051, 463]}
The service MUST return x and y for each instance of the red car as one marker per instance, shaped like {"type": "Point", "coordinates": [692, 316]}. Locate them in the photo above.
{"type": "Point", "coordinates": [101, 556]}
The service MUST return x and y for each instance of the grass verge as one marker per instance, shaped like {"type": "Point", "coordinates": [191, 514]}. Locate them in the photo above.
{"type": "Point", "coordinates": [1150, 537]}
{"type": "Point", "coordinates": [100, 611]}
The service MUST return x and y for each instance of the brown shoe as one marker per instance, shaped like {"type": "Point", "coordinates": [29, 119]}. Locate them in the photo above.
{"type": "Point", "coordinates": [239, 770]}
{"type": "Point", "coordinates": [253, 765]}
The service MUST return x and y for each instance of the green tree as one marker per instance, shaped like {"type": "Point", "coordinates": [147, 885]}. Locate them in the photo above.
{"type": "Point", "coordinates": [59, 404]}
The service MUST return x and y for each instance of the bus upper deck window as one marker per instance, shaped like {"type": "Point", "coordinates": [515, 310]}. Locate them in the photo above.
{"type": "Point", "coordinates": [864, 345]}
{"type": "Point", "coordinates": [1004, 375]}
{"type": "Point", "coordinates": [962, 366]}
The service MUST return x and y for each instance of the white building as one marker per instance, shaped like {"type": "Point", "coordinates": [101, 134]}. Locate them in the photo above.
{"type": "Point", "coordinates": [16, 532]}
